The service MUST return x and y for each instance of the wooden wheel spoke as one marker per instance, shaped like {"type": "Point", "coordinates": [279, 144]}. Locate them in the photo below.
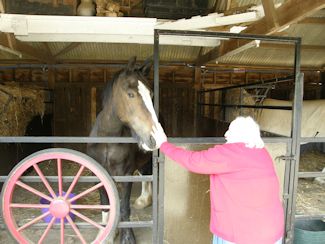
{"type": "Point", "coordinates": [88, 220]}
{"type": "Point", "coordinates": [44, 180]}
{"type": "Point", "coordinates": [28, 205]}
{"type": "Point", "coordinates": [76, 230]}
{"type": "Point", "coordinates": [91, 189]}
{"type": "Point", "coordinates": [74, 182]}
{"type": "Point", "coordinates": [62, 230]}
{"type": "Point", "coordinates": [33, 190]}
{"type": "Point", "coordinates": [33, 221]}
{"type": "Point", "coordinates": [59, 164]}
{"type": "Point", "coordinates": [49, 226]}
{"type": "Point", "coordinates": [102, 207]}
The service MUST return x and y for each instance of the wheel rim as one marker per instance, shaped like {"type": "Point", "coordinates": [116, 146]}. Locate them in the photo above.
{"type": "Point", "coordinates": [60, 205]}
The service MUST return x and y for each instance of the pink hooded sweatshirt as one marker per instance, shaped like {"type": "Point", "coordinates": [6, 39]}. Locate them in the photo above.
{"type": "Point", "coordinates": [244, 191]}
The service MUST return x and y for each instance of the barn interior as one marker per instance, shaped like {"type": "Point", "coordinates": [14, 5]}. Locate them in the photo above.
{"type": "Point", "coordinates": [58, 55]}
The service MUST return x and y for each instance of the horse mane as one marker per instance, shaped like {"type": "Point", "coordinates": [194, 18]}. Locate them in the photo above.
{"type": "Point", "coordinates": [107, 93]}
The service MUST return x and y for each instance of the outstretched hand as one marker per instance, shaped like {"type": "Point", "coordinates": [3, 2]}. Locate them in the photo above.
{"type": "Point", "coordinates": [159, 135]}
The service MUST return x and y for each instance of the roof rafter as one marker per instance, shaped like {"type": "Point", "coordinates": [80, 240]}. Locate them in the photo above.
{"type": "Point", "coordinates": [288, 13]}
{"type": "Point", "coordinates": [270, 13]}
{"type": "Point", "coordinates": [68, 48]}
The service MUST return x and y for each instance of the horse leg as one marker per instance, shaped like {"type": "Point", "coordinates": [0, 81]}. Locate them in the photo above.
{"type": "Point", "coordinates": [127, 235]}
{"type": "Point", "coordinates": [145, 199]}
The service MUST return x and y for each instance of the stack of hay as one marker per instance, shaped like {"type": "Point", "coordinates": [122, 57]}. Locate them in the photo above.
{"type": "Point", "coordinates": [18, 106]}
{"type": "Point", "coordinates": [108, 8]}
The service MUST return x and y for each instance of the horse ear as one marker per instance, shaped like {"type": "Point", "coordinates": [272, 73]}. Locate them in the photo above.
{"type": "Point", "coordinates": [146, 67]}
{"type": "Point", "coordinates": [131, 64]}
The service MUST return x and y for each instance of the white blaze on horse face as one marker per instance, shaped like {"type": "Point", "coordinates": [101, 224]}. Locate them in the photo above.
{"type": "Point", "coordinates": [145, 94]}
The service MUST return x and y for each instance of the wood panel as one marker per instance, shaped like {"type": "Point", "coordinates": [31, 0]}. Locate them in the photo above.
{"type": "Point", "coordinates": [72, 112]}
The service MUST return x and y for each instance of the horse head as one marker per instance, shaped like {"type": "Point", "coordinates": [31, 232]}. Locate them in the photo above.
{"type": "Point", "coordinates": [132, 101]}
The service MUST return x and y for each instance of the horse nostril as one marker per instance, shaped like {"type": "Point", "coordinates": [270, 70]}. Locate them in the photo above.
{"type": "Point", "coordinates": [152, 141]}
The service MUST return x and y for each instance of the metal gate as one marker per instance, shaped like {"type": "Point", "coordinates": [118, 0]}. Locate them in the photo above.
{"type": "Point", "coordinates": [293, 142]}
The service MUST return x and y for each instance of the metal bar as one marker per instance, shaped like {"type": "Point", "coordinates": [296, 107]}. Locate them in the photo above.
{"type": "Point", "coordinates": [286, 183]}
{"type": "Point", "coordinates": [310, 174]}
{"type": "Point", "coordinates": [82, 179]}
{"type": "Point", "coordinates": [161, 220]}
{"type": "Point", "coordinates": [310, 217]}
{"type": "Point", "coordinates": [295, 147]}
{"type": "Point", "coordinates": [135, 224]}
{"type": "Point", "coordinates": [83, 225]}
{"type": "Point", "coordinates": [155, 166]}
{"type": "Point", "coordinates": [65, 139]}
{"type": "Point", "coordinates": [228, 35]}
{"type": "Point", "coordinates": [130, 140]}
{"type": "Point", "coordinates": [312, 139]}
{"type": "Point", "coordinates": [271, 81]}
{"type": "Point", "coordinates": [218, 140]}
{"type": "Point", "coordinates": [248, 106]}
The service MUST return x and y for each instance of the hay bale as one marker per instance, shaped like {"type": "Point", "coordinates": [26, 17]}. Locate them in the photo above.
{"type": "Point", "coordinates": [18, 105]}
{"type": "Point", "coordinates": [108, 8]}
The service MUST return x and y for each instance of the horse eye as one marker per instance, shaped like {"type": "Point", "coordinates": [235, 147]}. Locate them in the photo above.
{"type": "Point", "coordinates": [131, 94]}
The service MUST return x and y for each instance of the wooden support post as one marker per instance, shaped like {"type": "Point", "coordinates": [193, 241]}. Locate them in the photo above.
{"type": "Point", "coordinates": [51, 78]}
{"type": "Point", "coordinates": [322, 78]}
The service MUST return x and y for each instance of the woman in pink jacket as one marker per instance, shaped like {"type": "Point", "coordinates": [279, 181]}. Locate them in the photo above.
{"type": "Point", "coordinates": [244, 188]}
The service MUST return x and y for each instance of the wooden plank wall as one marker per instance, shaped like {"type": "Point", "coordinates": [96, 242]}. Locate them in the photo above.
{"type": "Point", "coordinates": [77, 94]}
{"type": "Point", "coordinates": [177, 107]}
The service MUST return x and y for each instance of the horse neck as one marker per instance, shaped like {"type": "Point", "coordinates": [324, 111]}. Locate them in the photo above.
{"type": "Point", "coordinates": [108, 123]}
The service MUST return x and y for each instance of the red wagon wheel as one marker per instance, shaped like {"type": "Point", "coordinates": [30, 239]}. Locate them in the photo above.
{"type": "Point", "coordinates": [59, 205]}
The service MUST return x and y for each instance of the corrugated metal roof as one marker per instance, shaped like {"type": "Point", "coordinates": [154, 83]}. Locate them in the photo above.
{"type": "Point", "coordinates": [120, 52]}
{"type": "Point", "coordinates": [312, 34]}
{"type": "Point", "coordinates": [275, 57]}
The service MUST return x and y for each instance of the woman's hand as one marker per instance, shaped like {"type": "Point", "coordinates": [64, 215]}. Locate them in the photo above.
{"type": "Point", "coordinates": [159, 135]}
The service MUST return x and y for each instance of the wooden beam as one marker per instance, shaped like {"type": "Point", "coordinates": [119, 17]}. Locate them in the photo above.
{"type": "Point", "coordinates": [24, 48]}
{"type": "Point", "coordinates": [2, 7]}
{"type": "Point", "coordinates": [270, 13]}
{"type": "Point", "coordinates": [10, 37]}
{"type": "Point", "coordinates": [288, 13]}
{"type": "Point", "coordinates": [68, 48]}
{"type": "Point", "coordinates": [48, 53]}
{"type": "Point", "coordinates": [31, 51]}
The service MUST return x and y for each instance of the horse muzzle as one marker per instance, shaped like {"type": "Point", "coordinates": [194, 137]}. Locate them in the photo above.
{"type": "Point", "coordinates": [149, 144]}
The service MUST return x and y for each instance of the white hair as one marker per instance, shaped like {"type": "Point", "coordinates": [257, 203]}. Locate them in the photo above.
{"type": "Point", "coordinates": [245, 130]}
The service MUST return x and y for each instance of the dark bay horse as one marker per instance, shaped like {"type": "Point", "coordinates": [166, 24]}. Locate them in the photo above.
{"type": "Point", "coordinates": [127, 110]}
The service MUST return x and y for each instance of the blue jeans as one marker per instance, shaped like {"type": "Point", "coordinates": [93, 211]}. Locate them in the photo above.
{"type": "Point", "coordinates": [218, 240]}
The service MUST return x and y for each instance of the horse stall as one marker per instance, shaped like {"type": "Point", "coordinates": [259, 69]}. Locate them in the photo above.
{"type": "Point", "coordinates": [71, 107]}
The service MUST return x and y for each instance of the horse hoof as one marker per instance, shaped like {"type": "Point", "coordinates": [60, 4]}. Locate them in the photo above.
{"type": "Point", "coordinates": [142, 203]}
{"type": "Point", "coordinates": [127, 237]}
